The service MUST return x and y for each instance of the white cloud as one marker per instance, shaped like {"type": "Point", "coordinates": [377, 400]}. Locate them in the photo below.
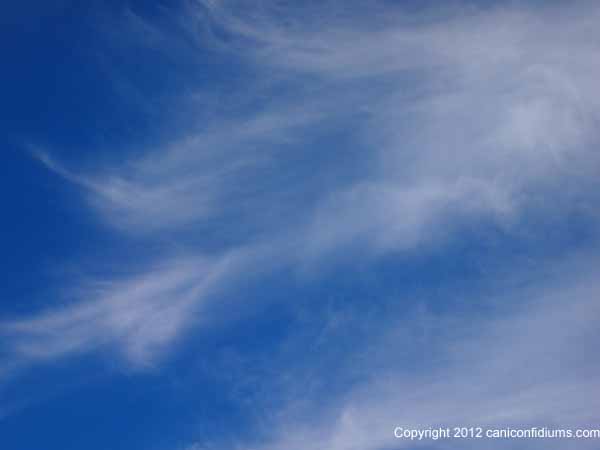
{"type": "Point", "coordinates": [470, 115]}
{"type": "Point", "coordinates": [139, 317]}
{"type": "Point", "coordinates": [495, 110]}
{"type": "Point", "coordinates": [198, 178]}
{"type": "Point", "coordinates": [464, 116]}
{"type": "Point", "coordinates": [530, 367]}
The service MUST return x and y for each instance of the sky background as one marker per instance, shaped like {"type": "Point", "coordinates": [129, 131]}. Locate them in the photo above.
{"type": "Point", "coordinates": [298, 225]}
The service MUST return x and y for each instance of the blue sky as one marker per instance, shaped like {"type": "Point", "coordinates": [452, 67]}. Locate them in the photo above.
{"type": "Point", "coordinates": [297, 225]}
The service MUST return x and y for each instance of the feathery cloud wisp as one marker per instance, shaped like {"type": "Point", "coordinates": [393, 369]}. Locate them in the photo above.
{"type": "Point", "coordinates": [460, 118]}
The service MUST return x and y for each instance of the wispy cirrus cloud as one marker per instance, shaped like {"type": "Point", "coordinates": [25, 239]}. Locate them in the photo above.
{"type": "Point", "coordinates": [527, 365]}
{"type": "Point", "coordinates": [139, 317]}
{"type": "Point", "coordinates": [460, 117]}
{"type": "Point", "coordinates": [203, 176]}
{"type": "Point", "coordinates": [481, 103]}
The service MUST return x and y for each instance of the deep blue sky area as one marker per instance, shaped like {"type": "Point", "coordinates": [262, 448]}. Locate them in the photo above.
{"type": "Point", "coordinates": [234, 225]}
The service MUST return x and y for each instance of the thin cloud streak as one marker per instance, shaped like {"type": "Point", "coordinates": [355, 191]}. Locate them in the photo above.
{"type": "Point", "coordinates": [138, 317]}
{"type": "Point", "coordinates": [467, 118]}
{"type": "Point", "coordinates": [534, 124]}
{"type": "Point", "coordinates": [531, 367]}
